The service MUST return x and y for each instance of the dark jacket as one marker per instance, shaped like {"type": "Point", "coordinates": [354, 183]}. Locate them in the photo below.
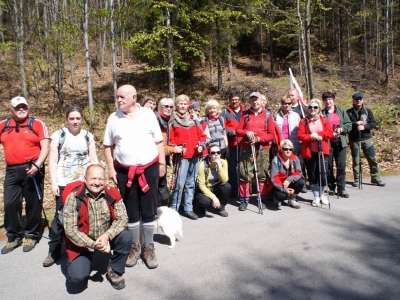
{"type": "Point", "coordinates": [357, 115]}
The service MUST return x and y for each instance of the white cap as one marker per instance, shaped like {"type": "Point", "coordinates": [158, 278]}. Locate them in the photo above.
{"type": "Point", "coordinates": [255, 94]}
{"type": "Point", "coordinates": [18, 100]}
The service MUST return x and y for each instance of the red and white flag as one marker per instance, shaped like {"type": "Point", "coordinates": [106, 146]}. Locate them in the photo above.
{"type": "Point", "coordinates": [294, 85]}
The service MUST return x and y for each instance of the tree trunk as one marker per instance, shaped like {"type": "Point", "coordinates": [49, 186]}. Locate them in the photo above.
{"type": "Point", "coordinates": [365, 36]}
{"type": "Point", "coordinates": [210, 61]}
{"type": "Point", "coordinates": [113, 56]}
{"type": "Point", "coordinates": [341, 29]}
{"type": "Point", "coordinates": [302, 42]}
{"type": "Point", "coordinates": [308, 51]}
{"type": "Point", "coordinates": [87, 59]}
{"type": "Point", "coordinates": [170, 58]}
{"type": "Point", "coordinates": [219, 75]}
{"type": "Point", "coordinates": [385, 44]}
{"type": "Point", "coordinates": [230, 64]}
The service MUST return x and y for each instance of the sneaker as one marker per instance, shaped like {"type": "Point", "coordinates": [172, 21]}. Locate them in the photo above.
{"type": "Point", "coordinates": [190, 215]}
{"type": "Point", "coordinates": [28, 244]}
{"type": "Point", "coordinates": [324, 200]}
{"type": "Point", "coordinates": [242, 206]}
{"type": "Point", "coordinates": [304, 190]}
{"type": "Point", "coordinates": [343, 194]}
{"type": "Point", "coordinates": [378, 182]}
{"type": "Point", "coordinates": [277, 203]}
{"type": "Point", "coordinates": [292, 203]}
{"type": "Point", "coordinates": [316, 201]}
{"type": "Point", "coordinates": [355, 184]}
{"type": "Point", "coordinates": [222, 213]}
{"type": "Point", "coordinates": [116, 279]}
{"type": "Point", "coordinates": [149, 256]}
{"type": "Point", "coordinates": [52, 258]}
{"type": "Point", "coordinates": [133, 255]}
{"type": "Point", "coordinates": [11, 245]}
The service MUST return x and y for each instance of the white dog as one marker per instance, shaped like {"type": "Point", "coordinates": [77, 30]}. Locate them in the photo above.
{"type": "Point", "coordinates": [170, 223]}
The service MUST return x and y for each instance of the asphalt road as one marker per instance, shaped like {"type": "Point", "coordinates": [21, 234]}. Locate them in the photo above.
{"type": "Point", "coordinates": [348, 252]}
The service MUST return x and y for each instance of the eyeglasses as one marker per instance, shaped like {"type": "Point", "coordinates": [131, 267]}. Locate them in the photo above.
{"type": "Point", "coordinates": [215, 152]}
{"type": "Point", "coordinates": [287, 149]}
{"type": "Point", "coordinates": [19, 106]}
{"type": "Point", "coordinates": [313, 107]}
{"type": "Point", "coordinates": [287, 103]}
{"type": "Point", "coordinates": [168, 106]}
{"type": "Point", "coordinates": [358, 99]}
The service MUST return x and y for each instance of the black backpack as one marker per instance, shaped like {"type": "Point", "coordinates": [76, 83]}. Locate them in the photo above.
{"type": "Point", "coordinates": [7, 126]}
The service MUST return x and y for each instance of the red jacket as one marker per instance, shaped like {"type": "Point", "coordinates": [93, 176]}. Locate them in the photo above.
{"type": "Point", "coordinates": [250, 122]}
{"type": "Point", "coordinates": [304, 136]}
{"type": "Point", "coordinates": [232, 123]}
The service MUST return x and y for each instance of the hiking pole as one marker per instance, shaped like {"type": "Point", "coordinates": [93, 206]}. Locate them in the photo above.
{"type": "Point", "coordinates": [256, 175]}
{"type": "Point", "coordinates": [326, 178]}
{"type": "Point", "coordinates": [319, 171]}
{"type": "Point", "coordinates": [177, 168]}
{"type": "Point", "coordinates": [39, 194]}
{"type": "Point", "coordinates": [359, 161]}
{"type": "Point", "coordinates": [237, 167]}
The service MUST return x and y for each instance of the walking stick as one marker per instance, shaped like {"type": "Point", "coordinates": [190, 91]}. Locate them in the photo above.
{"type": "Point", "coordinates": [256, 175]}
{"type": "Point", "coordinates": [39, 194]}
{"type": "Point", "coordinates": [177, 158]}
{"type": "Point", "coordinates": [359, 162]}
{"type": "Point", "coordinates": [321, 156]}
{"type": "Point", "coordinates": [237, 166]}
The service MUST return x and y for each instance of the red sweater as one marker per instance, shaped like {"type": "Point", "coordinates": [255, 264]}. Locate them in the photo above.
{"type": "Point", "coordinates": [304, 136]}
{"type": "Point", "coordinates": [191, 135]}
{"type": "Point", "coordinates": [250, 122]}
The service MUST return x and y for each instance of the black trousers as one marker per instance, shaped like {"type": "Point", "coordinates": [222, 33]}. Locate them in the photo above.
{"type": "Point", "coordinates": [297, 186]}
{"type": "Point", "coordinates": [222, 192]}
{"type": "Point", "coordinates": [337, 154]}
{"type": "Point", "coordinates": [313, 168]}
{"type": "Point", "coordinates": [78, 270]}
{"type": "Point", "coordinates": [139, 204]}
{"type": "Point", "coordinates": [55, 233]}
{"type": "Point", "coordinates": [18, 185]}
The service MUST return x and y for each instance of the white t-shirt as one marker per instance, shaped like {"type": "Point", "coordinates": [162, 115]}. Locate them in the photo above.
{"type": "Point", "coordinates": [135, 139]}
{"type": "Point", "coordinates": [73, 156]}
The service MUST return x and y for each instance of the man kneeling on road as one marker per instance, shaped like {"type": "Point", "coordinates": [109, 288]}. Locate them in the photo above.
{"type": "Point", "coordinates": [94, 218]}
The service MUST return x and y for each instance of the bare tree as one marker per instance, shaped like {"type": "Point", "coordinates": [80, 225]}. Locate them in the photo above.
{"type": "Point", "coordinates": [113, 55]}
{"type": "Point", "coordinates": [87, 59]}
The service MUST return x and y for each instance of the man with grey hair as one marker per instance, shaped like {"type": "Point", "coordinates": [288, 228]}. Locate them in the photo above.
{"type": "Point", "coordinates": [26, 145]}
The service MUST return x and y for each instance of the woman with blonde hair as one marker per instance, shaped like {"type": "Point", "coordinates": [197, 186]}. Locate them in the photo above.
{"type": "Point", "coordinates": [314, 132]}
{"type": "Point", "coordinates": [215, 127]}
{"type": "Point", "coordinates": [286, 176]}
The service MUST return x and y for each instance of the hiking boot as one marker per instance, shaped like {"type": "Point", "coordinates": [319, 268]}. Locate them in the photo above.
{"type": "Point", "coordinates": [52, 257]}
{"type": "Point", "coordinates": [277, 203]}
{"type": "Point", "coordinates": [149, 256]}
{"type": "Point", "coordinates": [355, 184]}
{"type": "Point", "coordinates": [292, 203]}
{"type": "Point", "coordinates": [324, 200]}
{"type": "Point", "coordinates": [378, 182]}
{"type": "Point", "coordinates": [190, 215]}
{"type": "Point", "coordinates": [343, 194]}
{"type": "Point", "coordinates": [316, 201]}
{"type": "Point", "coordinates": [133, 255]}
{"type": "Point", "coordinates": [222, 213]}
{"type": "Point", "coordinates": [116, 279]}
{"type": "Point", "coordinates": [304, 190]}
{"type": "Point", "coordinates": [242, 206]}
{"type": "Point", "coordinates": [11, 245]}
{"type": "Point", "coordinates": [28, 244]}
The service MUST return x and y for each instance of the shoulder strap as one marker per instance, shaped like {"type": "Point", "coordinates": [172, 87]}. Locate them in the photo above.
{"type": "Point", "coordinates": [221, 121]}
{"type": "Point", "coordinates": [30, 124]}
{"type": "Point", "coordinates": [6, 126]}
{"type": "Point", "coordinates": [61, 140]}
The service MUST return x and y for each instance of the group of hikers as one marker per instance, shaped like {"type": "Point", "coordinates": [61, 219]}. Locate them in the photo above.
{"type": "Point", "coordinates": [211, 158]}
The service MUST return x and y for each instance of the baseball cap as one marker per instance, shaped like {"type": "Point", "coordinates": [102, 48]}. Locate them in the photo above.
{"type": "Point", "coordinates": [357, 95]}
{"type": "Point", "coordinates": [18, 100]}
{"type": "Point", "coordinates": [255, 94]}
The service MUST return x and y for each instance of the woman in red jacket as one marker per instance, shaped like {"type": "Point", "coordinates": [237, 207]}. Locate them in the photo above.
{"type": "Point", "coordinates": [315, 130]}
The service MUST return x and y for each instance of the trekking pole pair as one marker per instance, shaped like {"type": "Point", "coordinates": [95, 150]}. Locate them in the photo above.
{"type": "Point", "coordinates": [253, 152]}
{"type": "Point", "coordinates": [38, 193]}
{"type": "Point", "coordinates": [321, 160]}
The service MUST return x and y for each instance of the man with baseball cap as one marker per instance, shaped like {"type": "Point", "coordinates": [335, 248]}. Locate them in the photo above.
{"type": "Point", "coordinates": [26, 145]}
{"type": "Point", "coordinates": [363, 122]}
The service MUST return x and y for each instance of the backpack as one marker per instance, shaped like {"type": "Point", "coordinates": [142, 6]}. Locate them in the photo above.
{"type": "Point", "coordinates": [62, 138]}
{"type": "Point", "coordinates": [29, 125]}
{"type": "Point", "coordinates": [221, 121]}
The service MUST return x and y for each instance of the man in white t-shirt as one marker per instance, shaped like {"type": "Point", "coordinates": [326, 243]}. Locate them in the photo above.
{"type": "Point", "coordinates": [133, 147]}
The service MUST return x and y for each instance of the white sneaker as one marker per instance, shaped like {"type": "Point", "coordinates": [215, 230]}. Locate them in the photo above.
{"type": "Point", "coordinates": [315, 201]}
{"type": "Point", "coordinates": [324, 200]}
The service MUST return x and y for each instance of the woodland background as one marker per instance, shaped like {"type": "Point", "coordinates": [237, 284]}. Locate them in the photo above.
{"type": "Point", "coordinates": [62, 52]}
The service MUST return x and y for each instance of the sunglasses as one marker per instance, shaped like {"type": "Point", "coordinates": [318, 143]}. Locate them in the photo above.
{"type": "Point", "coordinates": [313, 107]}
{"type": "Point", "coordinates": [168, 106]}
{"type": "Point", "coordinates": [287, 103]}
{"type": "Point", "coordinates": [215, 152]}
{"type": "Point", "coordinates": [287, 149]}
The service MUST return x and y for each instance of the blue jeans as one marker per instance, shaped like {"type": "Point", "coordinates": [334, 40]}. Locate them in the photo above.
{"type": "Point", "coordinates": [233, 173]}
{"type": "Point", "coordinates": [186, 179]}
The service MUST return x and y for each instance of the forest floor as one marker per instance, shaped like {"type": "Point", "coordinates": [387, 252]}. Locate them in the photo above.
{"type": "Point", "coordinates": [247, 78]}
